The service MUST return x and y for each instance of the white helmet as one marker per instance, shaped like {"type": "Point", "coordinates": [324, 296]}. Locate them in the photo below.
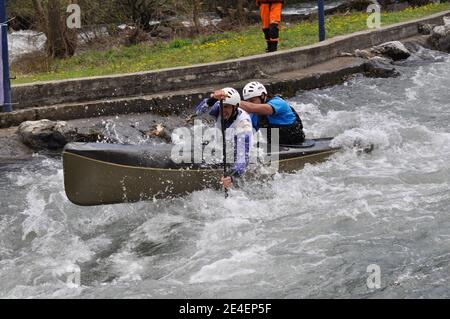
{"type": "Point", "coordinates": [253, 89]}
{"type": "Point", "coordinates": [233, 98]}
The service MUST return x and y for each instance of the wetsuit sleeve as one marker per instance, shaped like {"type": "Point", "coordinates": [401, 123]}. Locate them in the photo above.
{"type": "Point", "coordinates": [243, 141]}
{"type": "Point", "coordinates": [210, 106]}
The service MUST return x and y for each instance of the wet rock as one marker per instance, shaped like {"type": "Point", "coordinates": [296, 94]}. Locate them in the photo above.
{"type": "Point", "coordinates": [363, 54]}
{"type": "Point", "coordinates": [394, 50]}
{"type": "Point", "coordinates": [382, 60]}
{"type": "Point", "coordinates": [440, 38]}
{"type": "Point", "coordinates": [11, 147]}
{"type": "Point", "coordinates": [345, 54]}
{"type": "Point", "coordinates": [446, 20]}
{"type": "Point", "coordinates": [52, 135]}
{"type": "Point", "coordinates": [377, 66]}
{"type": "Point", "coordinates": [380, 68]}
{"type": "Point", "coordinates": [417, 44]}
{"type": "Point", "coordinates": [159, 131]}
{"type": "Point", "coordinates": [46, 134]}
{"type": "Point", "coordinates": [426, 28]}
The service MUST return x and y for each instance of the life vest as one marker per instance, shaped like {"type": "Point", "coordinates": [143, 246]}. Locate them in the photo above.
{"type": "Point", "coordinates": [238, 133]}
{"type": "Point", "coordinates": [289, 134]}
{"type": "Point", "coordinates": [240, 125]}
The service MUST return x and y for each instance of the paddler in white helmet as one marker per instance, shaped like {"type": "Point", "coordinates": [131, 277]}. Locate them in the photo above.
{"type": "Point", "coordinates": [272, 112]}
{"type": "Point", "coordinates": [237, 122]}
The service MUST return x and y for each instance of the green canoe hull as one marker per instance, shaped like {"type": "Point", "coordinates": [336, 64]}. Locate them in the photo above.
{"type": "Point", "coordinates": [95, 174]}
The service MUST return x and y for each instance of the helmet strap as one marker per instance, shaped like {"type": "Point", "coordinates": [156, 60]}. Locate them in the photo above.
{"type": "Point", "coordinates": [263, 98]}
{"type": "Point", "coordinates": [233, 115]}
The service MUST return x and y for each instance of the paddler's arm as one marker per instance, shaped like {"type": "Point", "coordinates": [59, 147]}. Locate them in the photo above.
{"type": "Point", "coordinates": [243, 145]}
{"type": "Point", "coordinates": [260, 109]}
{"type": "Point", "coordinates": [208, 105]}
{"type": "Point", "coordinates": [211, 104]}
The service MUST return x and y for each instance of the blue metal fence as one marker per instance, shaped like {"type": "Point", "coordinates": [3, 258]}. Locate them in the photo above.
{"type": "Point", "coordinates": [5, 82]}
{"type": "Point", "coordinates": [321, 18]}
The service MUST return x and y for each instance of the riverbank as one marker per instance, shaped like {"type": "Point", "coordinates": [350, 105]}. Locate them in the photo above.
{"type": "Point", "coordinates": [167, 111]}
{"type": "Point", "coordinates": [171, 90]}
{"type": "Point", "coordinates": [211, 48]}
{"type": "Point", "coordinates": [157, 126]}
{"type": "Point", "coordinates": [142, 114]}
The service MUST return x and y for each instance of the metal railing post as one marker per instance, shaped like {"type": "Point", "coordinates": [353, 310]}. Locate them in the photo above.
{"type": "Point", "coordinates": [321, 18]}
{"type": "Point", "coordinates": [5, 82]}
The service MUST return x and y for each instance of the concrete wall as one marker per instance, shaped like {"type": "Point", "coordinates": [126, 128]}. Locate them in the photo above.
{"type": "Point", "coordinates": [146, 83]}
{"type": "Point", "coordinates": [180, 101]}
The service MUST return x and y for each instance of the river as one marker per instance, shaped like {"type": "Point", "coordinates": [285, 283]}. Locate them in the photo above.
{"type": "Point", "coordinates": [312, 234]}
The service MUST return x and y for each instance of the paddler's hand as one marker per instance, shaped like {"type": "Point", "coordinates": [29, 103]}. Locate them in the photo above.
{"type": "Point", "coordinates": [227, 182]}
{"type": "Point", "coordinates": [219, 95]}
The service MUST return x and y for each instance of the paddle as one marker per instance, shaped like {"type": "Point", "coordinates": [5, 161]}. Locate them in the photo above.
{"type": "Point", "coordinates": [224, 143]}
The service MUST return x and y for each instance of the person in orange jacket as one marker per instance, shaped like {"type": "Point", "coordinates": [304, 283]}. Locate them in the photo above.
{"type": "Point", "coordinates": [270, 11]}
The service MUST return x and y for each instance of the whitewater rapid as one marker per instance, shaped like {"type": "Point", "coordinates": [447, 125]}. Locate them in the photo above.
{"type": "Point", "coordinates": [306, 235]}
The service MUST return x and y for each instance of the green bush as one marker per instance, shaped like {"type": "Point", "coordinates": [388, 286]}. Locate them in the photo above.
{"type": "Point", "coordinates": [179, 43]}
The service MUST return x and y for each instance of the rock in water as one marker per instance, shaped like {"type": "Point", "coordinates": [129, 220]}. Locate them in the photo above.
{"type": "Point", "coordinates": [426, 28]}
{"type": "Point", "coordinates": [380, 68]}
{"type": "Point", "coordinates": [159, 131]}
{"type": "Point", "coordinates": [394, 50]}
{"type": "Point", "coordinates": [446, 20]}
{"type": "Point", "coordinates": [46, 134]}
{"type": "Point", "coordinates": [440, 38]}
{"type": "Point", "coordinates": [363, 54]}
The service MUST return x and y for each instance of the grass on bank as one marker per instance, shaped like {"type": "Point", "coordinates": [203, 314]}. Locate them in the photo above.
{"type": "Point", "coordinates": [215, 47]}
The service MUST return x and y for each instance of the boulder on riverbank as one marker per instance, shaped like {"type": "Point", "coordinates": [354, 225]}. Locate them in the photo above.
{"type": "Point", "coordinates": [394, 50]}
{"type": "Point", "coordinates": [440, 38]}
{"type": "Point", "coordinates": [379, 67]}
{"type": "Point", "coordinates": [11, 147]}
{"type": "Point", "coordinates": [426, 28]}
{"type": "Point", "coordinates": [380, 58]}
{"type": "Point", "coordinates": [52, 135]}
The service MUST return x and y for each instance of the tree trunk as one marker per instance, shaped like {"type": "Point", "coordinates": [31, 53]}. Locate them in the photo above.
{"type": "Point", "coordinates": [195, 15]}
{"type": "Point", "coordinates": [70, 36]}
{"type": "Point", "coordinates": [61, 42]}
{"type": "Point", "coordinates": [41, 16]}
{"type": "Point", "coordinates": [56, 47]}
{"type": "Point", "coordinates": [241, 13]}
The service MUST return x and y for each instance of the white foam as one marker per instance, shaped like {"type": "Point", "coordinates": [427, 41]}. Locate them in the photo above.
{"type": "Point", "coordinates": [240, 263]}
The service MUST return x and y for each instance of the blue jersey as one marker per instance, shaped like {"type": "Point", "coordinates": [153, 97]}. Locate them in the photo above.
{"type": "Point", "coordinates": [282, 112]}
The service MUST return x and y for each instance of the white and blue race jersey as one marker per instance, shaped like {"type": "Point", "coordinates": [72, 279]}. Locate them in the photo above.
{"type": "Point", "coordinates": [239, 133]}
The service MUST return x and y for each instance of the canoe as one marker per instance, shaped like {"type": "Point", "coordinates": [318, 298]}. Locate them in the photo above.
{"type": "Point", "coordinates": [99, 174]}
